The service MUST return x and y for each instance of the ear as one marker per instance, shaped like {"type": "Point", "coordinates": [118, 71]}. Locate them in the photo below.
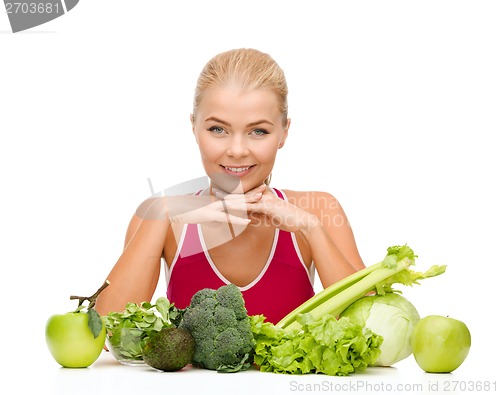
{"type": "Point", "coordinates": [285, 133]}
{"type": "Point", "coordinates": [191, 118]}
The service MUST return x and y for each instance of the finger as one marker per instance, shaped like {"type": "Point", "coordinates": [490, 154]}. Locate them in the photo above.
{"type": "Point", "coordinates": [219, 193]}
{"type": "Point", "coordinates": [242, 206]}
{"type": "Point", "coordinates": [260, 189]}
{"type": "Point", "coordinates": [223, 211]}
{"type": "Point", "coordinates": [227, 196]}
{"type": "Point", "coordinates": [220, 209]}
{"type": "Point", "coordinates": [247, 208]}
{"type": "Point", "coordinates": [237, 208]}
{"type": "Point", "coordinates": [219, 205]}
{"type": "Point", "coordinates": [248, 198]}
{"type": "Point", "coordinates": [215, 216]}
{"type": "Point", "coordinates": [230, 218]}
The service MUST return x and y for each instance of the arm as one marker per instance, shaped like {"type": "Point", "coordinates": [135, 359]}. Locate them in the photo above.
{"type": "Point", "coordinates": [135, 275]}
{"type": "Point", "coordinates": [330, 239]}
{"type": "Point", "coordinates": [321, 221]}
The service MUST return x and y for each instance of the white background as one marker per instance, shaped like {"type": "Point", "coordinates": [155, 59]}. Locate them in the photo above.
{"type": "Point", "coordinates": [394, 106]}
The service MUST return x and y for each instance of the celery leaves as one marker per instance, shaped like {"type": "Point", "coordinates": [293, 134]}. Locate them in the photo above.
{"type": "Point", "coordinates": [393, 269]}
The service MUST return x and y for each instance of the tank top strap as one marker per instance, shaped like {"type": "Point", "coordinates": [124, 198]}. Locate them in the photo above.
{"type": "Point", "coordinates": [280, 194]}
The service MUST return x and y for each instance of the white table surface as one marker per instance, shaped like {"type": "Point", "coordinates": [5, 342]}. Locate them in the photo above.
{"type": "Point", "coordinates": [107, 376]}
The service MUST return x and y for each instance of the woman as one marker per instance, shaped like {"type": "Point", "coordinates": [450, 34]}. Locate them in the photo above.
{"type": "Point", "coordinates": [240, 230]}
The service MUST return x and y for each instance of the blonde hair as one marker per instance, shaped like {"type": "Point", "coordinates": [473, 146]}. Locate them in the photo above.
{"type": "Point", "coordinates": [247, 69]}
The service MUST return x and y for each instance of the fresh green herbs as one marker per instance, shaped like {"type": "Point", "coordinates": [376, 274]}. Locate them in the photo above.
{"type": "Point", "coordinates": [129, 329]}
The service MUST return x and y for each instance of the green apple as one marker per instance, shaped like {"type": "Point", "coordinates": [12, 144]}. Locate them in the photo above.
{"type": "Point", "coordinates": [71, 342]}
{"type": "Point", "coordinates": [76, 339]}
{"type": "Point", "coordinates": [440, 344]}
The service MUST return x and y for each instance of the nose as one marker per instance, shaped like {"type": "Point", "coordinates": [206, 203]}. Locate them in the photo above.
{"type": "Point", "coordinates": [237, 146]}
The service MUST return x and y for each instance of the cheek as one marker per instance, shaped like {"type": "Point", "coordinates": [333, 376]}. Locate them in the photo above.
{"type": "Point", "coordinates": [209, 149]}
{"type": "Point", "coordinates": [267, 152]}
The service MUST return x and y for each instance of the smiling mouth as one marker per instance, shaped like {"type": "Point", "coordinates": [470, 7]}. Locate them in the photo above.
{"type": "Point", "coordinates": [237, 169]}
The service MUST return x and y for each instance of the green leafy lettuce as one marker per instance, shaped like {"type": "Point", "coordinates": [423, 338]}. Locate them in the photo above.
{"type": "Point", "coordinates": [129, 329]}
{"type": "Point", "coordinates": [330, 346]}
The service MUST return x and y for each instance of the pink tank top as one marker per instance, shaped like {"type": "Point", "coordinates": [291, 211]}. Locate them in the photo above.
{"type": "Point", "coordinates": [284, 283]}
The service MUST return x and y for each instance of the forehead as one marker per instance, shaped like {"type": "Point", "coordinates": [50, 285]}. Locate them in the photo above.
{"type": "Point", "coordinates": [239, 103]}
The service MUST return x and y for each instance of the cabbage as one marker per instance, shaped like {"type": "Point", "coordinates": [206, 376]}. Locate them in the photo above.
{"type": "Point", "coordinates": [391, 316]}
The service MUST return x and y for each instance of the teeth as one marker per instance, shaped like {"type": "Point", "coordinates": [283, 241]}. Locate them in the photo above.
{"type": "Point", "coordinates": [238, 169]}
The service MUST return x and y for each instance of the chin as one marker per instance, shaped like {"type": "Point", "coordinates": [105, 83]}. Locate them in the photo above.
{"type": "Point", "coordinates": [240, 186]}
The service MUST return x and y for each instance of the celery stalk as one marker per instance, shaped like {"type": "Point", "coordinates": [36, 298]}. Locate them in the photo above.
{"type": "Point", "coordinates": [326, 294]}
{"type": "Point", "coordinates": [379, 277]}
{"type": "Point", "coordinates": [342, 300]}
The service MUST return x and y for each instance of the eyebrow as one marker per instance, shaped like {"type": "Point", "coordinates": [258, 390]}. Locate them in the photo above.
{"type": "Point", "coordinates": [214, 119]}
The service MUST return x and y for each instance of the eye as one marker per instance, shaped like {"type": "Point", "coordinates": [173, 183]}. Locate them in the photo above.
{"type": "Point", "coordinates": [216, 130]}
{"type": "Point", "coordinates": [260, 132]}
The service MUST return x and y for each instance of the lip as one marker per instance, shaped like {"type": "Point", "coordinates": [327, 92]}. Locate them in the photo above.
{"type": "Point", "coordinates": [232, 170]}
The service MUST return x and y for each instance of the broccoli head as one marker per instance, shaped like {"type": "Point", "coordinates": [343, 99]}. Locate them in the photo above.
{"type": "Point", "coordinates": [220, 326]}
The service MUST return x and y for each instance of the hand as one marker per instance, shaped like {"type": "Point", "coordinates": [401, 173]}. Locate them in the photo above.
{"type": "Point", "coordinates": [269, 208]}
{"type": "Point", "coordinates": [205, 209]}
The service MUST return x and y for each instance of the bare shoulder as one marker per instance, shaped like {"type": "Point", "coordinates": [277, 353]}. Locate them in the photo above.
{"type": "Point", "coordinates": [314, 201]}
{"type": "Point", "coordinates": [149, 211]}
{"type": "Point", "coordinates": [152, 208]}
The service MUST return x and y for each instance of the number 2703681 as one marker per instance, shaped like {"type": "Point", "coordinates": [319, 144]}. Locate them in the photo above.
{"type": "Point", "coordinates": [32, 8]}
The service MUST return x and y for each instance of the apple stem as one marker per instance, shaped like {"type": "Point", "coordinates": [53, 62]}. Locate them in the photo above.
{"type": "Point", "coordinates": [91, 299]}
